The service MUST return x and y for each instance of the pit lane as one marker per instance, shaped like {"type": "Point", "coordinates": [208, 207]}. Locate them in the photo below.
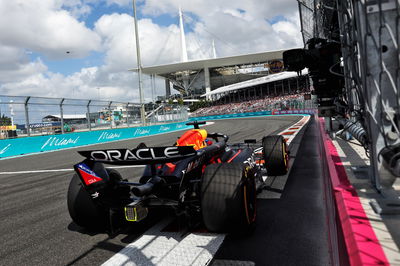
{"type": "Point", "coordinates": [37, 230]}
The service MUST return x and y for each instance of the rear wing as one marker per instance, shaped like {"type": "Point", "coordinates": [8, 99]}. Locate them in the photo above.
{"type": "Point", "coordinates": [140, 156]}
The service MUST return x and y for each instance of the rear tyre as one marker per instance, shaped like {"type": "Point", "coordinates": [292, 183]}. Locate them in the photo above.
{"type": "Point", "coordinates": [83, 210]}
{"type": "Point", "coordinates": [228, 202]}
{"type": "Point", "coordinates": [275, 155]}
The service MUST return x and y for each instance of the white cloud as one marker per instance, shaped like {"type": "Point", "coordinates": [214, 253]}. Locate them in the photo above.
{"type": "Point", "coordinates": [44, 27]}
{"type": "Point", "coordinates": [117, 86]}
{"type": "Point", "coordinates": [286, 30]}
{"type": "Point", "coordinates": [237, 26]}
{"type": "Point", "coordinates": [15, 65]}
{"type": "Point", "coordinates": [78, 8]}
{"type": "Point", "coordinates": [157, 44]}
{"type": "Point", "coordinates": [203, 8]}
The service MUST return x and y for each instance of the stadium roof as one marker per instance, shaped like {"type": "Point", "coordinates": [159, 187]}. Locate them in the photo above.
{"type": "Point", "coordinates": [213, 62]}
{"type": "Point", "coordinates": [254, 82]}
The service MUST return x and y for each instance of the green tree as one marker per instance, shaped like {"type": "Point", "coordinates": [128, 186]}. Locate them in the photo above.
{"type": "Point", "coordinates": [197, 105]}
{"type": "Point", "coordinates": [5, 120]}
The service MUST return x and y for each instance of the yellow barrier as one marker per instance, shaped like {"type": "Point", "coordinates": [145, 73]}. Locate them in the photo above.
{"type": "Point", "coordinates": [14, 127]}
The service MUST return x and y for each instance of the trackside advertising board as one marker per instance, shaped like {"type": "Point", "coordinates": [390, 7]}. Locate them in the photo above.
{"type": "Point", "coordinates": [261, 113]}
{"type": "Point", "coordinates": [214, 117]}
{"type": "Point", "coordinates": [19, 146]}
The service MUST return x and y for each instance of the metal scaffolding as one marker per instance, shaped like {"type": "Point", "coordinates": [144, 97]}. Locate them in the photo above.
{"type": "Point", "coordinates": [369, 34]}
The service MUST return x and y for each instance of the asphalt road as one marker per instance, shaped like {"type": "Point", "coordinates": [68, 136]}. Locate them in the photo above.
{"type": "Point", "coordinates": [291, 229]}
{"type": "Point", "coordinates": [35, 225]}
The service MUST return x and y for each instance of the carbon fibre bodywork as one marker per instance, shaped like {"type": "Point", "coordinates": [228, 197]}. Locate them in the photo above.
{"type": "Point", "coordinates": [172, 177]}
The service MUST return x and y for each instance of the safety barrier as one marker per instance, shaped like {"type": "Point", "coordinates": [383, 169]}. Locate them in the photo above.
{"type": "Point", "coordinates": [360, 244]}
{"type": "Point", "coordinates": [20, 146]}
{"type": "Point", "coordinates": [28, 145]}
{"type": "Point", "coordinates": [299, 111]}
{"type": "Point", "coordinates": [260, 113]}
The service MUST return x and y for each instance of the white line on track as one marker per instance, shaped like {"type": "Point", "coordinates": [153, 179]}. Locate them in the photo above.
{"type": "Point", "coordinates": [157, 247]}
{"type": "Point", "coordinates": [62, 170]}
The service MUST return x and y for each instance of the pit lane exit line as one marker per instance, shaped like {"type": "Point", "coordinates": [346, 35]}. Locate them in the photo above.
{"type": "Point", "coordinates": [62, 170]}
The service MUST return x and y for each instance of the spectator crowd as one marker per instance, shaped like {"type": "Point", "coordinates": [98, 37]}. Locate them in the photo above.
{"type": "Point", "coordinates": [285, 102]}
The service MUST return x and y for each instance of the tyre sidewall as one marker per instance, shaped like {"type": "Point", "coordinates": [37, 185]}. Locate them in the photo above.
{"type": "Point", "coordinates": [82, 208]}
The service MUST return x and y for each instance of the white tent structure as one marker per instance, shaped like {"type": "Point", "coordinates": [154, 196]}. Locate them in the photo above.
{"type": "Point", "coordinates": [254, 82]}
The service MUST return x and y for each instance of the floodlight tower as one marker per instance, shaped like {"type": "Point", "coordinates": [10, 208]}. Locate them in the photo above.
{"type": "Point", "coordinates": [213, 49]}
{"type": "Point", "coordinates": [139, 64]}
{"type": "Point", "coordinates": [184, 56]}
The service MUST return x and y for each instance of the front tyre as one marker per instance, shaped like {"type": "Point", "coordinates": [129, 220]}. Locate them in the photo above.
{"type": "Point", "coordinates": [228, 202]}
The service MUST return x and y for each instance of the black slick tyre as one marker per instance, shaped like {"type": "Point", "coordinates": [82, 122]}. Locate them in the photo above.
{"type": "Point", "coordinates": [228, 197]}
{"type": "Point", "coordinates": [275, 155]}
{"type": "Point", "coordinates": [83, 210]}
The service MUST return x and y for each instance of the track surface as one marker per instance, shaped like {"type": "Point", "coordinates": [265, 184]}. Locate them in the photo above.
{"type": "Point", "coordinates": [35, 225]}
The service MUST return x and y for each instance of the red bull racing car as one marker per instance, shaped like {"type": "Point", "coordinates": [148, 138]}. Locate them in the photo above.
{"type": "Point", "coordinates": [201, 177]}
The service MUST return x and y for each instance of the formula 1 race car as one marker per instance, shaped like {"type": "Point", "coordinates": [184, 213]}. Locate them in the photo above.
{"type": "Point", "coordinates": [201, 177]}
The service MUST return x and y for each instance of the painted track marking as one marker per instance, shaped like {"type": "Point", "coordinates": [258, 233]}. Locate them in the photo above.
{"type": "Point", "coordinates": [63, 170]}
{"type": "Point", "coordinates": [156, 247]}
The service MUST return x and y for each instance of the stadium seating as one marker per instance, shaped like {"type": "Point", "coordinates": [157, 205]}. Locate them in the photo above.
{"type": "Point", "coordinates": [284, 102]}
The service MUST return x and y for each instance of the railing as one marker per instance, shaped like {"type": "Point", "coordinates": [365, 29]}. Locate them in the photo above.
{"type": "Point", "coordinates": [369, 34]}
{"type": "Point", "coordinates": [29, 116]}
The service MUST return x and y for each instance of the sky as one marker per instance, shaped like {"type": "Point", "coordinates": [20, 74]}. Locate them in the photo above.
{"type": "Point", "coordinates": [84, 48]}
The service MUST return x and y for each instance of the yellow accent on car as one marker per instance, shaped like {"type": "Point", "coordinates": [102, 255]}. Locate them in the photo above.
{"type": "Point", "coordinates": [131, 214]}
{"type": "Point", "coordinates": [203, 133]}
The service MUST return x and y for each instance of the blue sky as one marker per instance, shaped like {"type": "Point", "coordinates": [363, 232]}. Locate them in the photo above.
{"type": "Point", "coordinates": [49, 47]}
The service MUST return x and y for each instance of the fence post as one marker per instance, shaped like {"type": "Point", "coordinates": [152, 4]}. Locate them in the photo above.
{"type": "Point", "coordinates": [109, 110]}
{"type": "Point", "coordinates": [62, 115]}
{"type": "Point", "coordinates": [88, 116]}
{"type": "Point", "coordinates": [127, 113]}
{"type": "Point", "coordinates": [174, 113]}
{"type": "Point", "coordinates": [28, 127]}
{"type": "Point", "coordinates": [163, 111]}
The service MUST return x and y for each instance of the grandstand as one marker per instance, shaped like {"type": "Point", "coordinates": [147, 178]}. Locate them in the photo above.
{"type": "Point", "coordinates": [210, 77]}
{"type": "Point", "coordinates": [228, 79]}
{"type": "Point", "coordinates": [267, 103]}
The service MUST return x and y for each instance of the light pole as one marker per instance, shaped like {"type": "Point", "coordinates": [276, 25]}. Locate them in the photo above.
{"type": "Point", "coordinates": [11, 113]}
{"type": "Point", "coordinates": [139, 64]}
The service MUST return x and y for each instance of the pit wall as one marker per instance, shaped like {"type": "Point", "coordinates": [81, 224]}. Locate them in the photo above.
{"type": "Point", "coordinates": [36, 144]}
{"type": "Point", "coordinates": [358, 243]}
